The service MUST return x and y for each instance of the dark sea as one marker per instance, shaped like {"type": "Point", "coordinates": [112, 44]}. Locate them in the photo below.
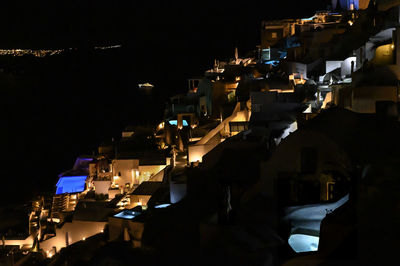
{"type": "Point", "coordinates": [59, 107]}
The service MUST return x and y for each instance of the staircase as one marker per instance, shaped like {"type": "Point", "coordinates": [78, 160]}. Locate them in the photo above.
{"type": "Point", "coordinates": [59, 204]}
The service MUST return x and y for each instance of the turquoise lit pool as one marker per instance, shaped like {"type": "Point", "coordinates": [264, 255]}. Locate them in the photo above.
{"type": "Point", "coordinates": [127, 214]}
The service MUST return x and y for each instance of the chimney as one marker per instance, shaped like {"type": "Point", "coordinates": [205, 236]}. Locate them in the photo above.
{"type": "Point", "coordinates": [236, 54]}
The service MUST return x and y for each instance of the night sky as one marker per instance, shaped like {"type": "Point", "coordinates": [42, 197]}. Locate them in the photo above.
{"type": "Point", "coordinates": [60, 107]}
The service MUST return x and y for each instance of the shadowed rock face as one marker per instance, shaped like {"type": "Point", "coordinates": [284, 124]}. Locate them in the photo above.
{"type": "Point", "coordinates": [384, 5]}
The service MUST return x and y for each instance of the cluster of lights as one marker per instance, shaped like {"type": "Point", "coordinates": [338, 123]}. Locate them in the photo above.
{"type": "Point", "coordinates": [124, 202]}
{"type": "Point", "coordinates": [297, 79]}
{"type": "Point", "coordinates": [107, 47]}
{"type": "Point", "coordinates": [46, 52]}
{"type": "Point", "coordinates": [36, 53]}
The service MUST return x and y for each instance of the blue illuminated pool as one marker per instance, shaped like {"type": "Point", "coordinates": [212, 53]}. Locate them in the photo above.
{"type": "Point", "coordinates": [162, 206]}
{"type": "Point", "coordinates": [71, 184]}
{"type": "Point", "coordinates": [303, 243]}
{"type": "Point", "coordinates": [175, 122]}
{"type": "Point", "coordinates": [127, 214]}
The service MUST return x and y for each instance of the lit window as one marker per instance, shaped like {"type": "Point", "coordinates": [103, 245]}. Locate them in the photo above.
{"type": "Point", "coordinates": [175, 122]}
{"type": "Point", "coordinates": [266, 54]}
{"type": "Point", "coordinates": [238, 126]}
{"type": "Point", "coordinates": [274, 35]}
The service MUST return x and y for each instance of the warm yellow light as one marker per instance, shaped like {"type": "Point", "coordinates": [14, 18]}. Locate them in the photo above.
{"type": "Point", "coordinates": [350, 23]}
{"type": "Point", "coordinates": [84, 238]}
{"type": "Point", "coordinates": [49, 254]}
{"type": "Point", "coordinates": [392, 46]}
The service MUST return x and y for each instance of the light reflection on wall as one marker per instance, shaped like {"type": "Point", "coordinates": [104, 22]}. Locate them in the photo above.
{"type": "Point", "coordinates": [71, 233]}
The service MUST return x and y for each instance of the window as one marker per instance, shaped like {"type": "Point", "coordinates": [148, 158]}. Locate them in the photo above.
{"type": "Point", "coordinates": [266, 54]}
{"type": "Point", "coordinates": [274, 35]}
{"type": "Point", "coordinates": [238, 126]}
{"type": "Point", "coordinates": [308, 160]}
{"type": "Point", "coordinates": [330, 187]}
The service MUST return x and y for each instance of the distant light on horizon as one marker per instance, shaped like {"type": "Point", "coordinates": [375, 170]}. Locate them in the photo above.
{"type": "Point", "coordinates": [47, 52]}
{"type": "Point", "coordinates": [107, 47]}
{"type": "Point", "coordinates": [35, 53]}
